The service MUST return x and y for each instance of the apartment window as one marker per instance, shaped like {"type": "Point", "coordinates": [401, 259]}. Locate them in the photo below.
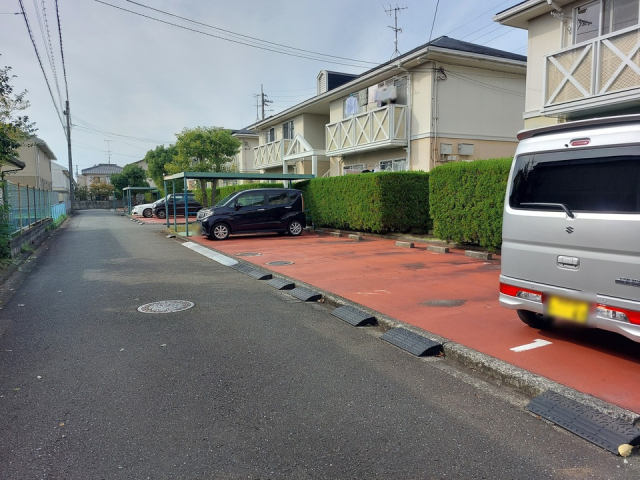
{"type": "Point", "coordinates": [287, 130]}
{"type": "Point", "coordinates": [601, 17]}
{"type": "Point", "coordinates": [270, 135]}
{"type": "Point", "coordinates": [395, 165]}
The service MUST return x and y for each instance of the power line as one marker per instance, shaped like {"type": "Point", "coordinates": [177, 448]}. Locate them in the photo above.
{"type": "Point", "coordinates": [475, 19]}
{"type": "Point", "coordinates": [434, 20]}
{"type": "Point", "coordinates": [247, 36]}
{"type": "Point", "coordinates": [35, 48]}
{"type": "Point", "coordinates": [64, 68]}
{"type": "Point", "coordinates": [239, 42]}
{"type": "Point", "coordinates": [52, 60]}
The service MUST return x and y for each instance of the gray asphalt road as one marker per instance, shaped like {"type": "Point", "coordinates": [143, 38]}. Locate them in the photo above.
{"type": "Point", "coordinates": [248, 384]}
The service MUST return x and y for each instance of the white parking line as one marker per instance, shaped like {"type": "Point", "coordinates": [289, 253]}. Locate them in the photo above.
{"type": "Point", "coordinates": [218, 257]}
{"type": "Point", "coordinates": [536, 343]}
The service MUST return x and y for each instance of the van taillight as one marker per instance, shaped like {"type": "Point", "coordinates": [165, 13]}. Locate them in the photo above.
{"type": "Point", "coordinates": [523, 293]}
{"type": "Point", "coordinates": [580, 142]}
{"type": "Point", "coordinates": [620, 314]}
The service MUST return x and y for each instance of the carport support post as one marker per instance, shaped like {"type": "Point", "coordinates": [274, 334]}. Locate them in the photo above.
{"type": "Point", "coordinates": [186, 206]}
{"type": "Point", "coordinates": [175, 213]}
{"type": "Point", "coordinates": [165, 203]}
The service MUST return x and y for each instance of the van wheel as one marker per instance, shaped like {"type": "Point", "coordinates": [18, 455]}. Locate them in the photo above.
{"type": "Point", "coordinates": [220, 231]}
{"type": "Point", "coordinates": [161, 214]}
{"type": "Point", "coordinates": [535, 320]}
{"type": "Point", "coordinates": [295, 228]}
{"type": "Point", "coordinates": [146, 213]}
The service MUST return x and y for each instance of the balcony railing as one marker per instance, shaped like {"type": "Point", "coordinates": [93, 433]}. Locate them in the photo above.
{"type": "Point", "coordinates": [270, 154]}
{"type": "Point", "coordinates": [379, 128]}
{"type": "Point", "coordinates": [586, 73]}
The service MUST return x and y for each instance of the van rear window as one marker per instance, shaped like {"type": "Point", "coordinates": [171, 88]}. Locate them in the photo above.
{"type": "Point", "coordinates": [605, 180]}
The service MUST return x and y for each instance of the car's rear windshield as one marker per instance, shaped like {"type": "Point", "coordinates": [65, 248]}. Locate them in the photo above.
{"type": "Point", "coordinates": [604, 180]}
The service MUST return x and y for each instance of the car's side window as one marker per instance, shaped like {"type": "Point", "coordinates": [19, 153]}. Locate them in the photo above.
{"type": "Point", "coordinates": [251, 200]}
{"type": "Point", "coordinates": [278, 198]}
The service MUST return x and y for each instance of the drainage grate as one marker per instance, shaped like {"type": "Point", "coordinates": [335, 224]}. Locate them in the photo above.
{"type": "Point", "coordinates": [166, 306]}
{"type": "Point", "coordinates": [353, 316]}
{"type": "Point", "coordinates": [259, 275]}
{"type": "Point", "coordinates": [588, 423]}
{"type": "Point", "coordinates": [282, 284]}
{"type": "Point", "coordinates": [305, 294]}
{"type": "Point", "coordinates": [248, 254]}
{"type": "Point", "coordinates": [443, 303]}
{"type": "Point", "coordinates": [279, 263]}
{"type": "Point", "coordinates": [412, 342]}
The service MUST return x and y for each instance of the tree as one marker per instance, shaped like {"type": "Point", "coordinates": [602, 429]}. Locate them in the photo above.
{"type": "Point", "coordinates": [131, 176]}
{"type": "Point", "coordinates": [156, 160]}
{"type": "Point", "coordinates": [101, 190]}
{"type": "Point", "coordinates": [82, 194]}
{"type": "Point", "coordinates": [14, 129]}
{"type": "Point", "coordinates": [204, 149]}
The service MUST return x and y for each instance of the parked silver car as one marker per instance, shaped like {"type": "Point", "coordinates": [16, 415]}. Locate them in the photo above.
{"type": "Point", "coordinates": [571, 226]}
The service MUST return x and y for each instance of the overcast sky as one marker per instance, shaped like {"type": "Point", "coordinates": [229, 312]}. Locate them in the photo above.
{"type": "Point", "coordinates": [134, 82]}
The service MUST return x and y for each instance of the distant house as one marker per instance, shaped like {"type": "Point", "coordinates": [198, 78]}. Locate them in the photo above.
{"type": "Point", "coordinates": [61, 181]}
{"type": "Point", "coordinates": [143, 165]}
{"type": "Point", "coordinates": [583, 58]}
{"type": "Point", "coordinates": [36, 156]}
{"type": "Point", "coordinates": [100, 173]}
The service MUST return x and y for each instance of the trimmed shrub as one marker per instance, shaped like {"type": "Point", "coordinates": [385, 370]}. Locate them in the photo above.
{"type": "Point", "coordinates": [467, 200]}
{"type": "Point", "coordinates": [371, 202]}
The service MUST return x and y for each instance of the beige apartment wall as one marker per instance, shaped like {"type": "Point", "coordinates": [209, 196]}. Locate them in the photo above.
{"type": "Point", "coordinates": [479, 103]}
{"type": "Point", "coordinates": [313, 129]}
{"type": "Point", "coordinates": [335, 111]}
{"type": "Point", "coordinates": [544, 38]}
{"type": "Point", "coordinates": [246, 155]}
{"type": "Point", "coordinates": [303, 167]}
{"type": "Point", "coordinates": [421, 99]}
{"type": "Point", "coordinates": [37, 170]}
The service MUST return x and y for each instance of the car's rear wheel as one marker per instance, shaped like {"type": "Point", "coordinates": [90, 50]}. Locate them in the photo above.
{"type": "Point", "coordinates": [161, 214]}
{"type": "Point", "coordinates": [535, 320]}
{"type": "Point", "coordinates": [295, 228]}
{"type": "Point", "coordinates": [220, 231]}
{"type": "Point", "coordinates": [146, 213]}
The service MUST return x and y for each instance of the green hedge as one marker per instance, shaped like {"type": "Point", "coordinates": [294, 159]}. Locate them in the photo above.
{"type": "Point", "coordinates": [370, 202]}
{"type": "Point", "coordinates": [467, 201]}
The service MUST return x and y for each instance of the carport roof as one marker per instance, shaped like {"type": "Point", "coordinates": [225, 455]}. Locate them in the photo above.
{"type": "Point", "coordinates": [239, 176]}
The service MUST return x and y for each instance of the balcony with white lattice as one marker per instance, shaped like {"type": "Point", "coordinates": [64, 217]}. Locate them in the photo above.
{"type": "Point", "coordinates": [603, 71]}
{"type": "Point", "coordinates": [383, 127]}
{"type": "Point", "coordinates": [270, 154]}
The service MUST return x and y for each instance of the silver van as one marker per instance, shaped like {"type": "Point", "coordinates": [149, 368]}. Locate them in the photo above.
{"type": "Point", "coordinates": [571, 226]}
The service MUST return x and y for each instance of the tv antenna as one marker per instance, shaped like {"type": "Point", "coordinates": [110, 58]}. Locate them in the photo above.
{"type": "Point", "coordinates": [109, 149]}
{"type": "Point", "coordinates": [395, 28]}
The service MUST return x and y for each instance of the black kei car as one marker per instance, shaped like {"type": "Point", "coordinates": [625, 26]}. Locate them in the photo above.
{"type": "Point", "coordinates": [258, 210]}
{"type": "Point", "coordinates": [159, 209]}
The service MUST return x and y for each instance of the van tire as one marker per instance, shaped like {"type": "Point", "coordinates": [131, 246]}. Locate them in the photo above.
{"type": "Point", "coordinates": [535, 320]}
{"type": "Point", "coordinates": [161, 214]}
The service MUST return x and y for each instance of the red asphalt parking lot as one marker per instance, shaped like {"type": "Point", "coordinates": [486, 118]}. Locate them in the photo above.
{"type": "Point", "coordinates": [450, 295]}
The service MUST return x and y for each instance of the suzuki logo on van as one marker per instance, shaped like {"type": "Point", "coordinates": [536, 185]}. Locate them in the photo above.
{"type": "Point", "coordinates": [569, 230]}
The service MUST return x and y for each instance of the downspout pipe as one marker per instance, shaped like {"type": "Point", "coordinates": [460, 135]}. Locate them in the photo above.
{"type": "Point", "coordinates": [408, 113]}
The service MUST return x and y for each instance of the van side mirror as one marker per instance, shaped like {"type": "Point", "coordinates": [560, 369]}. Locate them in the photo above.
{"type": "Point", "coordinates": [237, 206]}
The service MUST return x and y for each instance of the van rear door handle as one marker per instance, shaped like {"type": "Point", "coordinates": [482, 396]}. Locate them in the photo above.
{"type": "Point", "coordinates": [568, 262]}
{"type": "Point", "coordinates": [288, 207]}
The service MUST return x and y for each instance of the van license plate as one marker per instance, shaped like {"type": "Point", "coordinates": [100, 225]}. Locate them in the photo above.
{"type": "Point", "coordinates": [567, 309]}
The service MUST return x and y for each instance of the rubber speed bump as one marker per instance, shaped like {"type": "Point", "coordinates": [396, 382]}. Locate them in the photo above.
{"type": "Point", "coordinates": [282, 284]}
{"type": "Point", "coordinates": [259, 274]}
{"type": "Point", "coordinates": [305, 294]}
{"type": "Point", "coordinates": [586, 422]}
{"type": "Point", "coordinates": [353, 316]}
{"type": "Point", "coordinates": [242, 267]}
{"type": "Point", "coordinates": [412, 342]}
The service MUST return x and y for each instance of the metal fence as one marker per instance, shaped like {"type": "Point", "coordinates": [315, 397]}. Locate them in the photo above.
{"type": "Point", "coordinates": [28, 205]}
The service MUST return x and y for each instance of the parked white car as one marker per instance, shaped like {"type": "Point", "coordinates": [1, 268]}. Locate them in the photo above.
{"type": "Point", "coordinates": [142, 209]}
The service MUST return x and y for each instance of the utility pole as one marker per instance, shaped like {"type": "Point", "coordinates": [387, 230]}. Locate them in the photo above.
{"type": "Point", "coordinates": [265, 100]}
{"type": "Point", "coordinates": [109, 149]}
{"type": "Point", "coordinates": [395, 28]}
{"type": "Point", "coordinates": [72, 193]}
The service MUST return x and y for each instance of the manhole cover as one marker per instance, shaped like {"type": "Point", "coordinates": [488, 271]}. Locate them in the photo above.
{"type": "Point", "coordinates": [248, 254]}
{"type": "Point", "coordinates": [279, 263]}
{"type": "Point", "coordinates": [166, 306]}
